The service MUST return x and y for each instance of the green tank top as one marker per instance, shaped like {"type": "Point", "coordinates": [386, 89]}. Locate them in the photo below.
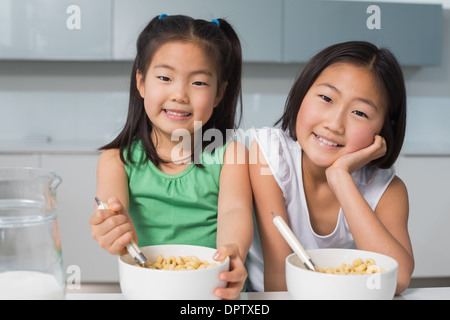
{"type": "Point", "coordinates": [174, 209]}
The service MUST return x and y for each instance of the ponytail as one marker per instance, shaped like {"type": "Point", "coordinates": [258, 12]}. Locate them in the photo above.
{"type": "Point", "coordinates": [224, 115]}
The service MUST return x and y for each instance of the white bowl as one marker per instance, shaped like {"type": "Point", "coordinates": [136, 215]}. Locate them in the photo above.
{"type": "Point", "coordinates": [139, 283]}
{"type": "Point", "coordinates": [305, 284]}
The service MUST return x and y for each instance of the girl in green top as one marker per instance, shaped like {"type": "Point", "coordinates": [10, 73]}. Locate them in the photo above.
{"type": "Point", "coordinates": [168, 183]}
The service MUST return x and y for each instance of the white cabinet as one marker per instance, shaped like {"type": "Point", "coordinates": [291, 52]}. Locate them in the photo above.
{"type": "Point", "coordinates": [56, 30]}
{"type": "Point", "coordinates": [427, 180]}
{"type": "Point", "coordinates": [412, 31]}
{"type": "Point", "coordinates": [75, 207]}
{"type": "Point", "coordinates": [292, 31]}
{"type": "Point", "coordinates": [258, 23]}
{"type": "Point", "coordinates": [278, 31]}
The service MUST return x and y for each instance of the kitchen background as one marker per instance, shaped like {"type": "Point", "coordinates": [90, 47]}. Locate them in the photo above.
{"type": "Point", "coordinates": [63, 95]}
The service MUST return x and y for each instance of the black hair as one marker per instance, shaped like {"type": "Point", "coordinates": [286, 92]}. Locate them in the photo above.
{"type": "Point", "coordinates": [388, 74]}
{"type": "Point", "coordinates": [220, 43]}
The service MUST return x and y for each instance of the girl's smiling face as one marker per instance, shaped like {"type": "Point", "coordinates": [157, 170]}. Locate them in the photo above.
{"type": "Point", "coordinates": [180, 87]}
{"type": "Point", "coordinates": [340, 114]}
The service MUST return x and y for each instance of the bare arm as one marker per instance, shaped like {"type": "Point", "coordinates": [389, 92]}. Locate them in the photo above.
{"type": "Point", "coordinates": [268, 197]}
{"type": "Point", "coordinates": [235, 224]}
{"type": "Point", "coordinates": [385, 230]}
{"type": "Point", "coordinates": [112, 228]}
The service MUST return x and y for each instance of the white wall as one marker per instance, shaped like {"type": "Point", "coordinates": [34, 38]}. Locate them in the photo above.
{"type": "Point", "coordinates": [63, 99]}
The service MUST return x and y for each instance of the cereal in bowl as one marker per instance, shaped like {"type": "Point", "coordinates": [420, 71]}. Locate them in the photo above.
{"type": "Point", "coordinates": [358, 266]}
{"type": "Point", "coordinates": [179, 263]}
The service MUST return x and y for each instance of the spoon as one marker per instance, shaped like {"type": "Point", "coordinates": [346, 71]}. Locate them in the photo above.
{"type": "Point", "coordinates": [293, 242]}
{"type": "Point", "coordinates": [132, 247]}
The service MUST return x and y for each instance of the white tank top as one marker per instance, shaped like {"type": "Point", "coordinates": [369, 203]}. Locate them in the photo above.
{"type": "Point", "coordinates": [284, 156]}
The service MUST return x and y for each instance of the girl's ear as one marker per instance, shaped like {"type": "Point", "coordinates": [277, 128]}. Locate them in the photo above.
{"type": "Point", "coordinates": [140, 83]}
{"type": "Point", "coordinates": [220, 93]}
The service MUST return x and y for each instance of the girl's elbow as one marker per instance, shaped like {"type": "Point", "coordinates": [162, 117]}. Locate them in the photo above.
{"type": "Point", "coordinates": [404, 278]}
{"type": "Point", "coordinates": [401, 286]}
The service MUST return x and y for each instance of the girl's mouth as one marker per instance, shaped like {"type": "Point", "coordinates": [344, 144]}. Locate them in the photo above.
{"type": "Point", "coordinates": [177, 114]}
{"type": "Point", "coordinates": [326, 142]}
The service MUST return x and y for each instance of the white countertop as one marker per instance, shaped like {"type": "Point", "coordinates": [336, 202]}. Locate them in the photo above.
{"type": "Point", "coordinates": [426, 149]}
{"type": "Point", "coordinates": [26, 147]}
{"type": "Point", "coordinates": [439, 293]}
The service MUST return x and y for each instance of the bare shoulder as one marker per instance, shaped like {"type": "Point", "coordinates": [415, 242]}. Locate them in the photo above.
{"type": "Point", "coordinates": [394, 204]}
{"type": "Point", "coordinates": [397, 188]}
{"type": "Point", "coordinates": [256, 155]}
{"type": "Point", "coordinates": [109, 163]}
{"type": "Point", "coordinates": [110, 157]}
{"type": "Point", "coordinates": [266, 189]}
{"type": "Point", "coordinates": [254, 149]}
{"type": "Point", "coordinates": [111, 177]}
{"type": "Point", "coordinates": [236, 153]}
{"type": "Point", "coordinates": [259, 167]}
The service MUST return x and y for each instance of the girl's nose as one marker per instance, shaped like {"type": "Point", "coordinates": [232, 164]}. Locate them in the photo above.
{"type": "Point", "coordinates": [335, 120]}
{"type": "Point", "coordinates": [179, 94]}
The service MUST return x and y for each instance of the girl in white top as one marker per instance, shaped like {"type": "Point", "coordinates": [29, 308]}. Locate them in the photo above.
{"type": "Point", "coordinates": [328, 170]}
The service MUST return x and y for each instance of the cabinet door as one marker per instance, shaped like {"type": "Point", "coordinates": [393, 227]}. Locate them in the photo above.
{"type": "Point", "coordinates": [412, 31]}
{"type": "Point", "coordinates": [427, 180]}
{"type": "Point", "coordinates": [258, 23]}
{"type": "Point", "coordinates": [57, 30]}
{"type": "Point", "coordinates": [75, 206]}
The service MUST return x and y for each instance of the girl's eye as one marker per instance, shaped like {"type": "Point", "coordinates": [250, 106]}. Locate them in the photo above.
{"type": "Point", "coordinates": [360, 113]}
{"type": "Point", "coordinates": [199, 83]}
{"type": "Point", "coordinates": [327, 99]}
{"type": "Point", "coordinates": [163, 78]}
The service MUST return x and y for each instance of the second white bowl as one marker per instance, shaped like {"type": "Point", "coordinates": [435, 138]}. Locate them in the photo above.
{"type": "Point", "coordinates": [306, 284]}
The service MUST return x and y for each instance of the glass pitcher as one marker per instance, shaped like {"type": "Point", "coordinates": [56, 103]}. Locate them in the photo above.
{"type": "Point", "coordinates": [31, 265]}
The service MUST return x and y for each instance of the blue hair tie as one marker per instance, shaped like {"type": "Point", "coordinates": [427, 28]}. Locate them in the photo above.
{"type": "Point", "coordinates": [162, 16]}
{"type": "Point", "coordinates": [216, 22]}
